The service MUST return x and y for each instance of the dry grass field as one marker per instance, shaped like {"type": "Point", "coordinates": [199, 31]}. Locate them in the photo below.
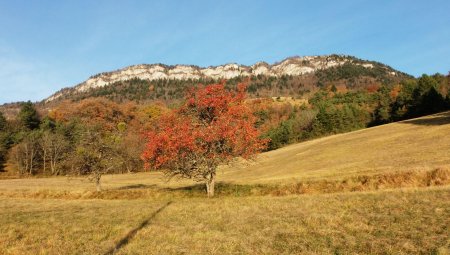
{"type": "Point", "coordinates": [382, 190]}
{"type": "Point", "coordinates": [383, 222]}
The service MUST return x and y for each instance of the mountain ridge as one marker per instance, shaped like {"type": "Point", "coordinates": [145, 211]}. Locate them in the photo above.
{"type": "Point", "coordinates": [291, 66]}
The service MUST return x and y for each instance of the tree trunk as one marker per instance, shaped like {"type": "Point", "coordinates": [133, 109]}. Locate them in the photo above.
{"type": "Point", "coordinates": [52, 165]}
{"type": "Point", "coordinates": [53, 158]}
{"type": "Point", "coordinates": [210, 183]}
{"type": "Point", "coordinates": [53, 155]}
{"type": "Point", "coordinates": [26, 159]}
{"type": "Point", "coordinates": [97, 183]}
{"type": "Point", "coordinates": [45, 158]}
{"type": "Point", "coordinates": [55, 170]}
{"type": "Point", "coordinates": [31, 161]}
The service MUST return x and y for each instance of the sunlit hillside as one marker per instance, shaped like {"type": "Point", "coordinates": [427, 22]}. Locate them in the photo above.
{"type": "Point", "coordinates": [417, 144]}
{"type": "Point", "coordinates": [414, 145]}
{"type": "Point", "coordinates": [405, 211]}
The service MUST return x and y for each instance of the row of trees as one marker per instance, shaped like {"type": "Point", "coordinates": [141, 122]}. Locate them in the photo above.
{"type": "Point", "coordinates": [96, 136]}
{"type": "Point", "coordinates": [90, 138]}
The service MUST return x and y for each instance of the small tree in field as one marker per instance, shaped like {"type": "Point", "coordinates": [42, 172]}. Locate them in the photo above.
{"type": "Point", "coordinates": [94, 156]}
{"type": "Point", "coordinates": [212, 127]}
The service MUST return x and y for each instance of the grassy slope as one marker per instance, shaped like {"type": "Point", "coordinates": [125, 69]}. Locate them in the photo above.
{"type": "Point", "coordinates": [399, 221]}
{"type": "Point", "coordinates": [417, 144]}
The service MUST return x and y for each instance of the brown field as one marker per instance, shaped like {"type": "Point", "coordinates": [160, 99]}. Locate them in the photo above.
{"type": "Point", "coordinates": [382, 190]}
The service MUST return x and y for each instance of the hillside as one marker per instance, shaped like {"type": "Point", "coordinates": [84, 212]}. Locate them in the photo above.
{"type": "Point", "coordinates": [138, 211]}
{"type": "Point", "coordinates": [293, 76]}
{"type": "Point", "coordinates": [414, 145]}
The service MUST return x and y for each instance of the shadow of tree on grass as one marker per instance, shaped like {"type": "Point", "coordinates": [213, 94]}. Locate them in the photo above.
{"type": "Point", "coordinates": [124, 241]}
{"type": "Point", "coordinates": [442, 118]}
{"type": "Point", "coordinates": [137, 186]}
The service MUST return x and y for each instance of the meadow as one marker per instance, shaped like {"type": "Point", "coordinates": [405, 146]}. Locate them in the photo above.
{"type": "Point", "coordinates": [381, 190]}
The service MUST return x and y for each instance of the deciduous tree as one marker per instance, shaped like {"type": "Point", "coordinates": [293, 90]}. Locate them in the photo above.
{"type": "Point", "coordinates": [25, 153]}
{"type": "Point", "coordinates": [94, 156]}
{"type": "Point", "coordinates": [212, 127]}
{"type": "Point", "coordinates": [53, 148]}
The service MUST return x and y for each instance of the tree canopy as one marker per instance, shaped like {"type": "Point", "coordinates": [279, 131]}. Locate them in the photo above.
{"type": "Point", "coordinates": [28, 116]}
{"type": "Point", "coordinates": [3, 122]}
{"type": "Point", "coordinates": [212, 127]}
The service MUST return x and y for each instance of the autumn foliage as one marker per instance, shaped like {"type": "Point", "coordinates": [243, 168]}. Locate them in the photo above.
{"type": "Point", "coordinates": [95, 112]}
{"type": "Point", "coordinates": [212, 127]}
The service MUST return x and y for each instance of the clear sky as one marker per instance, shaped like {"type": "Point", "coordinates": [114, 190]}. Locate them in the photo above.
{"type": "Point", "coordinates": [48, 45]}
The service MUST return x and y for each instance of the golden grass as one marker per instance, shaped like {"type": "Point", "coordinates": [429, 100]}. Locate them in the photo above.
{"type": "Point", "coordinates": [419, 144]}
{"type": "Point", "coordinates": [67, 227]}
{"type": "Point", "coordinates": [291, 100]}
{"type": "Point", "coordinates": [408, 179]}
{"type": "Point", "coordinates": [276, 205]}
{"type": "Point", "coordinates": [395, 222]}
{"type": "Point", "coordinates": [401, 221]}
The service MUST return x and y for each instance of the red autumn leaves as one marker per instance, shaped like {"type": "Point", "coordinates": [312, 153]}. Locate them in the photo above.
{"type": "Point", "coordinates": [213, 126]}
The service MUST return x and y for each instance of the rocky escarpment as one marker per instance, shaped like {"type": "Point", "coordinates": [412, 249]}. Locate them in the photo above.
{"type": "Point", "coordinates": [294, 66]}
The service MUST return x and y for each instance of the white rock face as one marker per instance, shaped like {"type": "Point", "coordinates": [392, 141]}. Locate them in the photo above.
{"type": "Point", "coordinates": [367, 65]}
{"type": "Point", "coordinates": [290, 66]}
{"type": "Point", "coordinates": [260, 68]}
{"type": "Point", "coordinates": [183, 73]}
{"type": "Point", "coordinates": [227, 71]}
{"type": "Point", "coordinates": [292, 69]}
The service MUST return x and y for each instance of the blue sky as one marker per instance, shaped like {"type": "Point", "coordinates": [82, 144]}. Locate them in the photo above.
{"type": "Point", "coordinates": [48, 45]}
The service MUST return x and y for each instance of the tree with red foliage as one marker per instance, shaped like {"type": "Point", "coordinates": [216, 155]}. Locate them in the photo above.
{"type": "Point", "coordinates": [212, 127]}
